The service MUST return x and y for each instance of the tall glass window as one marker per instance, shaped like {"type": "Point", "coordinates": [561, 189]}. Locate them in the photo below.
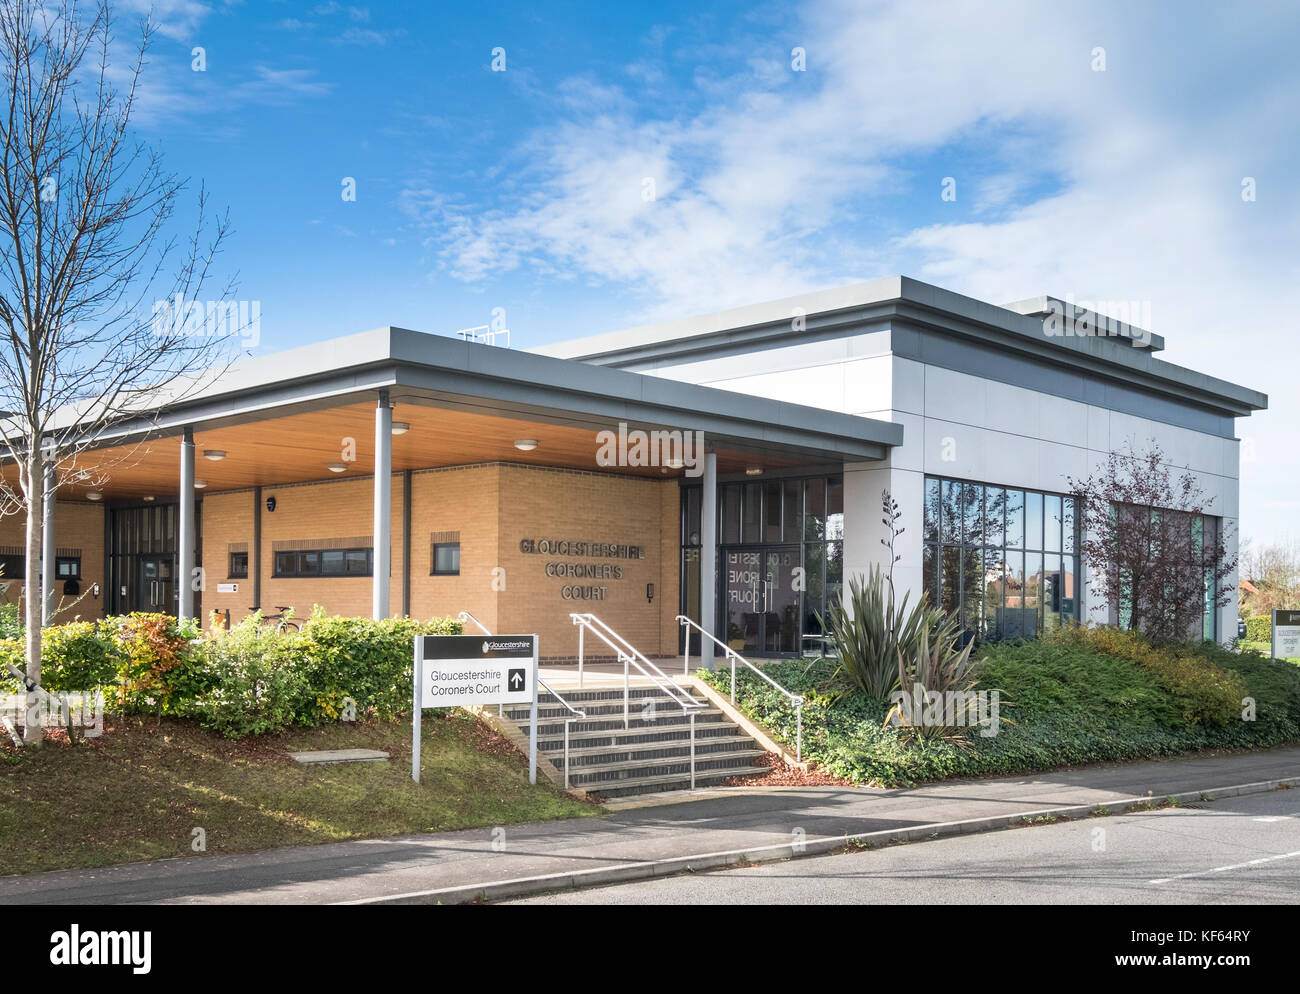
{"type": "Point", "coordinates": [781, 560]}
{"type": "Point", "coordinates": [993, 557]}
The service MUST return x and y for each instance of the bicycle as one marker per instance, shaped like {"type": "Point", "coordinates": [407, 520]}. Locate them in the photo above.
{"type": "Point", "coordinates": [284, 622]}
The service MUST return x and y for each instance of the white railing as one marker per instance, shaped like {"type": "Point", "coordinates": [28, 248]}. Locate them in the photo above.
{"type": "Point", "coordinates": [734, 657]}
{"type": "Point", "coordinates": [577, 714]}
{"type": "Point", "coordinates": [630, 656]}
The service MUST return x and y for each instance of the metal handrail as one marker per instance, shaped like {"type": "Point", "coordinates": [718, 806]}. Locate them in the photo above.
{"type": "Point", "coordinates": [733, 655]}
{"type": "Point", "coordinates": [630, 656]}
{"type": "Point", "coordinates": [628, 653]}
{"type": "Point", "coordinates": [501, 710]}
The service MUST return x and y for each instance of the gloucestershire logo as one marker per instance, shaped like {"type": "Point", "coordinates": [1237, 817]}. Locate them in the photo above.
{"type": "Point", "coordinates": [101, 948]}
{"type": "Point", "coordinates": [486, 648]}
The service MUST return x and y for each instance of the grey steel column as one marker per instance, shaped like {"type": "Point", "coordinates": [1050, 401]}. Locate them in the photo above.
{"type": "Point", "coordinates": [47, 546]}
{"type": "Point", "coordinates": [383, 506]}
{"type": "Point", "coordinates": [708, 557]}
{"type": "Point", "coordinates": [185, 559]}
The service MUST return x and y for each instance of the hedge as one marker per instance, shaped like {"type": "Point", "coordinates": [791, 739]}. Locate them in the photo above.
{"type": "Point", "coordinates": [1070, 702]}
{"type": "Point", "coordinates": [1259, 628]}
{"type": "Point", "coordinates": [247, 681]}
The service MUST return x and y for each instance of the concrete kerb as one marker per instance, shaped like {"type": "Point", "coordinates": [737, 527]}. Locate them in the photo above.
{"type": "Point", "coordinates": [499, 890]}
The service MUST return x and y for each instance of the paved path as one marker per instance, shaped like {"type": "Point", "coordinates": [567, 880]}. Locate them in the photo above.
{"type": "Point", "coordinates": [628, 841]}
{"type": "Point", "coordinates": [1238, 850]}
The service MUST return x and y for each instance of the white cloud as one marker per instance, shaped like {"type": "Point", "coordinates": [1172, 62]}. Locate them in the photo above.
{"type": "Point", "coordinates": [1123, 184]}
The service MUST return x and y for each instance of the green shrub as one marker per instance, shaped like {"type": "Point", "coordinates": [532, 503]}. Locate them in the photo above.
{"type": "Point", "coordinates": [11, 623]}
{"type": "Point", "coordinates": [1205, 692]}
{"type": "Point", "coordinates": [1070, 703]}
{"type": "Point", "coordinates": [161, 670]}
{"type": "Point", "coordinates": [1260, 628]}
{"type": "Point", "coordinates": [869, 635]}
{"type": "Point", "coordinates": [368, 661]}
{"type": "Point", "coordinates": [80, 655]}
{"type": "Point", "coordinates": [254, 682]}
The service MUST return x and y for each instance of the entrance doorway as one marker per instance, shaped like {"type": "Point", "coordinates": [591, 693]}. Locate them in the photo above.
{"type": "Point", "coordinates": [761, 599]}
{"type": "Point", "coordinates": [156, 592]}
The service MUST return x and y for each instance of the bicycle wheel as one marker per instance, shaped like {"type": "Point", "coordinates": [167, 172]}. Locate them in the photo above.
{"type": "Point", "coordinates": [285, 626]}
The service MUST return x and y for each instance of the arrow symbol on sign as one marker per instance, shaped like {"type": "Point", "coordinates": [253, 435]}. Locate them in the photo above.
{"type": "Point", "coordinates": [517, 680]}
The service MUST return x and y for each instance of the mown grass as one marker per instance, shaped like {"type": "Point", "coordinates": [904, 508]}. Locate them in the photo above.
{"type": "Point", "coordinates": [1071, 704]}
{"type": "Point", "coordinates": [138, 791]}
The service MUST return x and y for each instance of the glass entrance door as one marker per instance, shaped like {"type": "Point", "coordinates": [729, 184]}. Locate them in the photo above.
{"type": "Point", "coordinates": [761, 600]}
{"type": "Point", "coordinates": [155, 593]}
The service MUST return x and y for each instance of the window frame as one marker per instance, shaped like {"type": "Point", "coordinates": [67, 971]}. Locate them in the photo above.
{"type": "Point", "coordinates": [303, 556]}
{"type": "Point", "coordinates": [433, 559]}
{"type": "Point", "coordinates": [231, 572]}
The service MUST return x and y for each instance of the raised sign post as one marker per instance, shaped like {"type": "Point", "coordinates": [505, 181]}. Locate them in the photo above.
{"type": "Point", "coordinates": [1286, 634]}
{"type": "Point", "coordinates": [466, 670]}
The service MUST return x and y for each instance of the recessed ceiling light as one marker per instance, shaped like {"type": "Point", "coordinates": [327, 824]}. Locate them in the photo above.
{"type": "Point", "coordinates": [337, 467]}
{"type": "Point", "coordinates": [150, 498]}
{"type": "Point", "coordinates": [400, 427]}
{"type": "Point", "coordinates": [216, 455]}
{"type": "Point", "coordinates": [753, 470]}
{"type": "Point", "coordinates": [94, 495]}
{"type": "Point", "coordinates": [200, 484]}
{"type": "Point", "coordinates": [525, 444]}
{"type": "Point", "coordinates": [674, 462]}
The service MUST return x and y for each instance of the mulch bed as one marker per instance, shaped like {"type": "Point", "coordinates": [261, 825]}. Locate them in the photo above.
{"type": "Point", "coordinates": [784, 775]}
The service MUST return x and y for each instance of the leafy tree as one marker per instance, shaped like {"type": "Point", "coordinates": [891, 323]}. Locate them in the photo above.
{"type": "Point", "coordinates": [1153, 552]}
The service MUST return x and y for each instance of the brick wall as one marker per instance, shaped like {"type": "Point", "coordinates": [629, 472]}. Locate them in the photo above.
{"type": "Point", "coordinates": [76, 526]}
{"type": "Point", "coordinates": [492, 508]}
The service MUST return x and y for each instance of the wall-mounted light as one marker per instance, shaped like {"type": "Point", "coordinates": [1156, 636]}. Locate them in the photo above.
{"type": "Point", "coordinates": [650, 592]}
{"type": "Point", "coordinates": [216, 455]}
{"type": "Point", "coordinates": [525, 444]}
{"type": "Point", "coordinates": [94, 495]}
{"type": "Point", "coordinates": [400, 427]}
{"type": "Point", "coordinates": [337, 467]}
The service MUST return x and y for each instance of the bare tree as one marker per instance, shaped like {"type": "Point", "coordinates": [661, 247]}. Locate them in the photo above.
{"type": "Point", "coordinates": [1274, 571]}
{"type": "Point", "coordinates": [1153, 550]}
{"type": "Point", "coordinates": [90, 261]}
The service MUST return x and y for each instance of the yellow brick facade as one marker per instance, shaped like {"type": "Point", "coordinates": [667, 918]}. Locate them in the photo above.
{"type": "Point", "coordinates": [497, 512]}
{"type": "Point", "coordinates": [492, 509]}
{"type": "Point", "coordinates": [79, 528]}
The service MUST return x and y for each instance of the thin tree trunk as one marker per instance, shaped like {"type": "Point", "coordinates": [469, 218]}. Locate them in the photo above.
{"type": "Point", "coordinates": [35, 472]}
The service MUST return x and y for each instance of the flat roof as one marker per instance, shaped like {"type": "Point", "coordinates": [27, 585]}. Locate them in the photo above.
{"type": "Point", "coordinates": [845, 310]}
{"type": "Point", "coordinates": [438, 371]}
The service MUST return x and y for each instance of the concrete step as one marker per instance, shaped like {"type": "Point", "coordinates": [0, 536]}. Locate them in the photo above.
{"type": "Point", "coordinates": [732, 745]}
{"type": "Point", "coordinates": [628, 786]}
{"type": "Point", "coordinates": [553, 738]}
{"type": "Point", "coordinates": [652, 766]}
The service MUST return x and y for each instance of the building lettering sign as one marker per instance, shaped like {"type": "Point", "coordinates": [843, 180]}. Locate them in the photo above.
{"type": "Point", "coordinates": [565, 549]}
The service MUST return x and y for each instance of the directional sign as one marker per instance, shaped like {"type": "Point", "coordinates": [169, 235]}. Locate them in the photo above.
{"type": "Point", "coordinates": [1286, 634]}
{"type": "Point", "coordinates": [461, 670]}
{"type": "Point", "coordinates": [467, 670]}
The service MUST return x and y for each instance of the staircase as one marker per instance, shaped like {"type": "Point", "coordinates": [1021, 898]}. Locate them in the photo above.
{"type": "Point", "coordinates": [653, 753]}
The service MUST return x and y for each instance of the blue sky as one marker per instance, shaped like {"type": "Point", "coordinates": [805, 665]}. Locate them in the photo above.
{"type": "Point", "coordinates": [523, 189]}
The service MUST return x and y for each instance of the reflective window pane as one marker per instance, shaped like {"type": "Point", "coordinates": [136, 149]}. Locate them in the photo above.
{"type": "Point", "coordinates": [835, 508]}
{"type": "Point", "coordinates": [931, 510]}
{"type": "Point", "coordinates": [1015, 519]}
{"type": "Point", "coordinates": [1033, 520]}
{"type": "Point", "coordinates": [1052, 523]}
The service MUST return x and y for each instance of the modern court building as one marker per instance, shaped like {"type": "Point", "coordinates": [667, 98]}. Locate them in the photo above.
{"type": "Point", "coordinates": [393, 472]}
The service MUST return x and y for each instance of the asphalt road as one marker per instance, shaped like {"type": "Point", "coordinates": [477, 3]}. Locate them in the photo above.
{"type": "Point", "coordinates": [1240, 850]}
